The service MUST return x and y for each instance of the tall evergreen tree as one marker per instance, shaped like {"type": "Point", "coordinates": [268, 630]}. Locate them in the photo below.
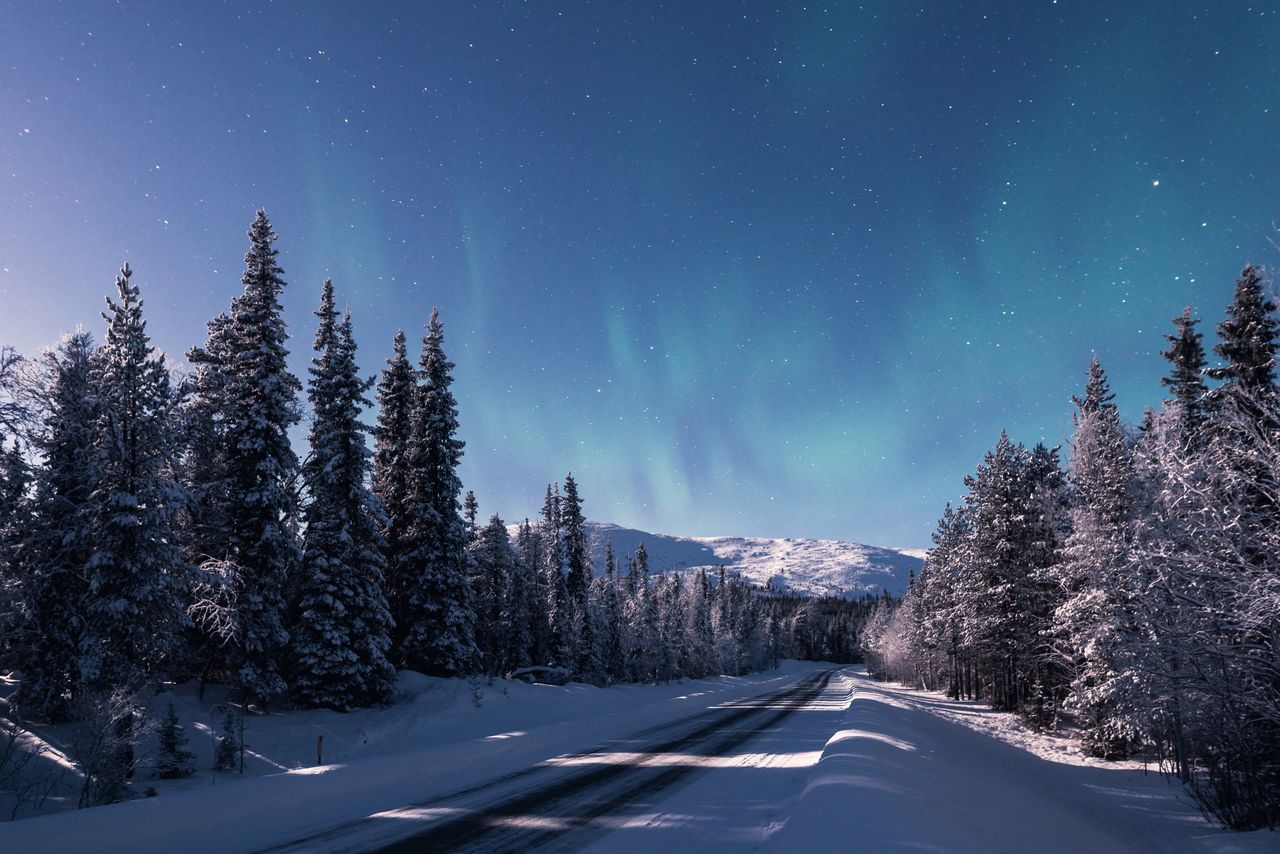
{"type": "Point", "coordinates": [53, 581]}
{"type": "Point", "coordinates": [341, 634]}
{"type": "Point", "coordinates": [440, 635]}
{"type": "Point", "coordinates": [1249, 338]}
{"type": "Point", "coordinates": [577, 558]}
{"type": "Point", "coordinates": [392, 476]}
{"type": "Point", "coordinates": [558, 648]}
{"type": "Point", "coordinates": [137, 568]}
{"type": "Point", "coordinates": [259, 399]}
{"type": "Point", "coordinates": [470, 510]}
{"type": "Point", "coordinates": [1186, 375]}
{"type": "Point", "coordinates": [492, 594]}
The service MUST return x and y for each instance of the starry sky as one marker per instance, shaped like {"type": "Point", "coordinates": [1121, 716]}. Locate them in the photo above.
{"type": "Point", "coordinates": [744, 268]}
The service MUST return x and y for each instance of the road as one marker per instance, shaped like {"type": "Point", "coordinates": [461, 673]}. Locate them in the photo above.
{"type": "Point", "coordinates": [571, 801]}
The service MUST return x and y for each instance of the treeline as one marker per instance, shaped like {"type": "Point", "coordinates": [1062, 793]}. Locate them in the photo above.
{"type": "Point", "coordinates": [154, 528]}
{"type": "Point", "coordinates": [1134, 595]}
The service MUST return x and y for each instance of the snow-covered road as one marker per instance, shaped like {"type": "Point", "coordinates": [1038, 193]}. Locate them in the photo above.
{"type": "Point", "coordinates": [813, 758]}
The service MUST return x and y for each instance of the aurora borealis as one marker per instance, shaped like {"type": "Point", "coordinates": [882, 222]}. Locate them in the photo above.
{"type": "Point", "coordinates": [743, 268]}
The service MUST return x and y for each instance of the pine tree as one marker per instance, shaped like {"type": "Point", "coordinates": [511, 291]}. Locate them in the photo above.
{"type": "Point", "coordinates": [440, 635]}
{"type": "Point", "coordinates": [558, 638]}
{"type": "Point", "coordinates": [393, 478]}
{"type": "Point", "coordinates": [136, 570]}
{"type": "Point", "coordinates": [1093, 622]}
{"type": "Point", "coordinates": [495, 571]}
{"type": "Point", "coordinates": [15, 527]}
{"type": "Point", "coordinates": [611, 617]}
{"type": "Point", "coordinates": [519, 614]}
{"type": "Point", "coordinates": [577, 560]}
{"type": "Point", "coordinates": [54, 587]}
{"type": "Point", "coordinates": [341, 636]}
{"type": "Point", "coordinates": [529, 545]}
{"type": "Point", "coordinates": [1186, 376]}
{"type": "Point", "coordinates": [1249, 338]}
{"type": "Point", "coordinates": [173, 760]}
{"type": "Point", "coordinates": [229, 747]}
{"type": "Point", "coordinates": [259, 399]}
{"type": "Point", "coordinates": [470, 510]}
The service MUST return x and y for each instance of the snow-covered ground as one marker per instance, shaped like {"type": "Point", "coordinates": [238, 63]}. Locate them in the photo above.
{"type": "Point", "coordinates": [860, 765]}
{"type": "Point", "coordinates": [814, 567]}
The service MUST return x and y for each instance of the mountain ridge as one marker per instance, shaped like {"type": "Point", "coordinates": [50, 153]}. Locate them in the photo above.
{"type": "Point", "coordinates": [800, 565]}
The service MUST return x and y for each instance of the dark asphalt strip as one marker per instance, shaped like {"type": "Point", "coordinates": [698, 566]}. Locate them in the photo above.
{"type": "Point", "coordinates": [578, 799]}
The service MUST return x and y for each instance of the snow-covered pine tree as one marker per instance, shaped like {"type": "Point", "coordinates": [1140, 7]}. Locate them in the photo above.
{"type": "Point", "coordinates": [137, 569]}
{"type": "Point", "coordinates": [577, 559]}
{"type": "Point", "coordinates": [53, 582]}
{"type": "Point", "coordinates": [340, 636]}
{"type": "Point", "coordinates": [392, 475]}
{"type": "Point", "coordinates": [259, 401]}
{"type": "Point", "coordinates": [609, 607]}
{"type": "Point", "coordinates": [229, 748]}
{"type": "Point", "coordinates": [1186, 374]}
{"type": "Point", "coordinates": [471, 510]}
{"type": "Point", "coordinates": [1248, 342]}
{"type": "Point", "coordinates": [518, 613]}
{"type": "Point", "coordinates": [492, 595]}
{"type": "Point", "coordinates": [15, 526]}
{"type": "Point", "coordinates": [440, 634]}
{"type": "Point", "coordinates": [558, 649]}
{"type": "Point", "coordinates": [173, 760]}
{"type": "Point", "coordinates": [1093, 622]}
{"type": "Point", "coordinates": [529, 545]}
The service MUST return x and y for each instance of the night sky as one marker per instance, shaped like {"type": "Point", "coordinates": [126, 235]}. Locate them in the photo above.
{"type": "Point", "coordinates": [743, 268]}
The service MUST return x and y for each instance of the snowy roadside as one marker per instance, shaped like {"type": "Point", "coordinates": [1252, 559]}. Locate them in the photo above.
{"type": "Point", "coordinates": [910, 770]}
{"type": "Point", "coordinates": [433, 741]}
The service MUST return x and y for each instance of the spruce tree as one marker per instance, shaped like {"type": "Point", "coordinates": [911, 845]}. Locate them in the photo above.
{"type": "Point", "coordinates": [1249, 338]}
{"type": "Point", "coordinates": [259, 396]}
{"type": "Point", "coordinates": [1093, 622]}
{"type": "Point", "coordinates": [137, 568]}
{"type": "Point", "coordinates": [341, 635]}
{"type": "Point", "coordinates": [558, 638]}
{"type": "Point", "coordinates": [229, 747]}
{"type": "Point", "coordinates": [577, 560]}
{"type": "Point", "coordinates": [173, 760]}
{"type": "Point", "coordinates": [1186, 376]}
{"type": "Point", "coordinates": [392, 476]}
{"type": "Point", "coordinates": [440, 635]}
{"type": "Point", "coordinates": [518, 615]}
{"type": "Point", "coordinates": [495, 571]}
{"type": "Point", "coordinates": [470, 510]}
{"type": "Point", "coordinates": [54, 586]}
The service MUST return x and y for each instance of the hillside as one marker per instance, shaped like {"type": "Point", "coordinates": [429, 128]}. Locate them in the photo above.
{"type": "Point", "coordinates": [817, 567]}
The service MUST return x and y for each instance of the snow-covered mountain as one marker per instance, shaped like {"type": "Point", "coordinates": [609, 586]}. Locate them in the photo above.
{"type": "Point", "coordinates": [816, 567]}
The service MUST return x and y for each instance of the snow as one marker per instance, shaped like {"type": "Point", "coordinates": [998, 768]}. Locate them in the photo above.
{"type": "Point", "coordinates": [434, 739]}
{"type": "Point", "coordinates": [867, 765]}
{"type": "Point", "coordinates": [813, 567]}
{"type": "Point", "coordinates": [876, 767]}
